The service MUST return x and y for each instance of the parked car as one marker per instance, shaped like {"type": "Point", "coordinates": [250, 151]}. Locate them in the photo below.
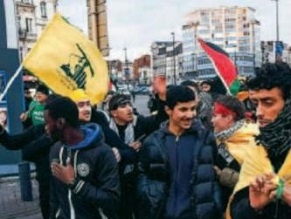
{"type": "Point", "coordinates": [142, 90]}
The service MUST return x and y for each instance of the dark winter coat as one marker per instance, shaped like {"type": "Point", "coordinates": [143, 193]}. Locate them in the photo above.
{"type": "Point", "coordinates": [97, 183]}
{"type": "Point", "coordinates": [35, 147]}
{"type": "Point", "coordinates": [155, 179]}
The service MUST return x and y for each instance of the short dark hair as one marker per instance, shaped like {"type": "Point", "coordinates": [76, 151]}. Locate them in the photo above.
{"type": "Point", "coordinates": [209, 82]}
{"type": "Point", "coordinates": [51, 98]}
{"type": "Point", "coordinates": [272, 75]}
{"type": "Point", "coordinates": [178, 94]}
{"type": "Point", "coordinates": [190, 83]}
{"type": "Point", "coordinates": [64, 107]}
{"type": "Point", "coordinates": [42, 89]}
{"type": "Point", "coordinates": [234, 104]}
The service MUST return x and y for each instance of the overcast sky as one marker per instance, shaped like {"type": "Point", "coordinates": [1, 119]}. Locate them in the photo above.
{"type": "Point", "coordinates": [135, 24]}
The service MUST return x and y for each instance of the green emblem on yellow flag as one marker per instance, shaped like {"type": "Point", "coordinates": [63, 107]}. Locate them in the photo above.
{"type": "Point", "coordinates": [65, 59]}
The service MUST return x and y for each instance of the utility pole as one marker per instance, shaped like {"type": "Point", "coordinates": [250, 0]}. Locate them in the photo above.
{"type": "Point", "coordinates": [194, 65]}
{"type": "Point", "coordinates": [194, 25]}
{"type": "Point", "coordinates": [253, 45]}
{"type": "Point", "coordinates": [126, 69]}
{"type": "Point", "coordinates": [278, 47]}
{"type": "Point", "coordinates": [174, 58]}
{"type": "Point", "coordinates": [277, 20]}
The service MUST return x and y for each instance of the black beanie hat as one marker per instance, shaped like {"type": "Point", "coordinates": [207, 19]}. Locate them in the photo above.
{"type": "Point", "coordinates": [117, 100]}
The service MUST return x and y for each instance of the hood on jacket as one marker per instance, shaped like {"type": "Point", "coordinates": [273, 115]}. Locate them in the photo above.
{"type": "Point", "coordinates": [92, 133]}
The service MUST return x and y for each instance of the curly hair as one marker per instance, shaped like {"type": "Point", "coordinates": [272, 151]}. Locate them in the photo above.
{"type": "Point", "coordinates": [272, 75]}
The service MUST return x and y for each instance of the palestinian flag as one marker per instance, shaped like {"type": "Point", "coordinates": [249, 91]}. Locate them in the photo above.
{"type": "Point", "coordinates": [112, 86]}
{"type": "Point", "coordinates": [224, 66]}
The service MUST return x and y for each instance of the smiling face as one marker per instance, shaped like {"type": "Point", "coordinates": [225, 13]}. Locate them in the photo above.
{"type": "Point", "coordinates": [269, 104]}
{"type": "Point", "coordinates": [85, 110]}
{"type": "Point", "coordinates": [181, 116]}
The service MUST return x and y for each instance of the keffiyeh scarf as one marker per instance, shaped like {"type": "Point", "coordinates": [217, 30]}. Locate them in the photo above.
{"type": "Point", "coordinates": [129, 131]}
{"type": "Point", "coordinates": [276, 136]}
{"type": "Point", "coordinates": [225, 134]}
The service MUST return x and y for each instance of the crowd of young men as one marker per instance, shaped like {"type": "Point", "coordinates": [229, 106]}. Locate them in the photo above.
{"type": "Point", "coordinates": [170, 165]}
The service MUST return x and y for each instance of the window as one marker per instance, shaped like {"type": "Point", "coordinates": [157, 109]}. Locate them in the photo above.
{"type": "Point", "coordinates": [19, 22]}
{"type": "Point", "coordinates": [28, 22]}
{"type": "Point", "coordinates": [43, 10]}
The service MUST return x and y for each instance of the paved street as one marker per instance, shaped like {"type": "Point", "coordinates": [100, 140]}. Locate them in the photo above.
{"type": "Point", "coordinates": [141, 104]}
{"type": "Point", "coordinates": [11, 205]}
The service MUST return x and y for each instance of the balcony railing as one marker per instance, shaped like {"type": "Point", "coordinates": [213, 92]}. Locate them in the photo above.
{"type": "Point", "coordinates": [26, 35]}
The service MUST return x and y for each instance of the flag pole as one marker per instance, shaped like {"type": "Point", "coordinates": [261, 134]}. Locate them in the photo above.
{"type": "Point", "coordinates": [11, 80]}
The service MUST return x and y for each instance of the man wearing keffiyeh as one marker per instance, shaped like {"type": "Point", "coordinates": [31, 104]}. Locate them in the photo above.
{"type": "Point", "coordinates": [234, 136]}
{"type": "Point", "coordinates": [132, 130]}
{"type": "Point", "coordinates": [264, 187]}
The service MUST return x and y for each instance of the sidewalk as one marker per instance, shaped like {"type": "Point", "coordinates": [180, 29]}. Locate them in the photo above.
{"type": "Point", "coordinates": [11, 205]}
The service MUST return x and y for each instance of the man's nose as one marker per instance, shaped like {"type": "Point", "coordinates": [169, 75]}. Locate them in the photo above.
{"type": "Point", "coordinates": [259, 110]}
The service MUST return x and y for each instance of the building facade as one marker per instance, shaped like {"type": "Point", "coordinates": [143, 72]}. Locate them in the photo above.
{"type": "Point", "coordinates": [235, 29]}
{"type": "Point", "coordinates": [142, 73]}
{"type": "Point", "coordinates": [32, 17]}
{"type": "Point", "coordinates": [167, 59]}
{"type": "Point", "coordinates": [115, 69]}
{"type": "Point", "coordinates": [97, 25]}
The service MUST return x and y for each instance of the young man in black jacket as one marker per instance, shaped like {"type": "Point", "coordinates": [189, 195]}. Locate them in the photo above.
{"type": "Point", "coordinates": [85, 173]}
{"type": "Point", "coordinates": [37, 145]}
{"type": "Point", "coordinates": [263, 190]}
{"type": "Point", "coordinates": [177, 178]}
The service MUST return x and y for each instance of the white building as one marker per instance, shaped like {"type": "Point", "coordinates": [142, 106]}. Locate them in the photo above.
{"type": "Point", "coordinates": [32, 17]}
{"type": "Point", "coordinates": [167, 60]}
{"type": "Point", "coordinates": [235, 29]}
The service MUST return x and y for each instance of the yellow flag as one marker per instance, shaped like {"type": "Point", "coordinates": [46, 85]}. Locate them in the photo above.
{"type": "Point", "coordinates": [64, 59]}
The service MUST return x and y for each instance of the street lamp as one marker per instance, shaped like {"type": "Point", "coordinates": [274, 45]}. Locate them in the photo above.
{"type": "Point", "coordinates": [126, 69]}
{"type": "Point", "coordinates": [174, 58]}
{"type": "Point", "coordinates": [279, 47]}
{"type": "Point", "coordinates": [253, 47]}
{"type": "Point", "coordinates": [277, 19]}
{"type": "Point", "coordinates": [194, 65]}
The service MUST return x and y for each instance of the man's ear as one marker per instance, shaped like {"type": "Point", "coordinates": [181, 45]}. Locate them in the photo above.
{"type": "Point", "coordinates": [168, 110]}
{"type": "Point", "coordinates": [112, 113]}
{"type": "Point", "coordinates": [61, 123]}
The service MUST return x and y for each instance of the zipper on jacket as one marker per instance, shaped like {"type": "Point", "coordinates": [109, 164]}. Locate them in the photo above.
{"type": "Point", "coordinates": [72, 209]}
{"type": "Point", "coordinates": [177, 174]}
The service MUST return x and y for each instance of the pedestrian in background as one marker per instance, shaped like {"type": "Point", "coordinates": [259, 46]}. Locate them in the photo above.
{"type": "Point", "coordinates": [34, 114]}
